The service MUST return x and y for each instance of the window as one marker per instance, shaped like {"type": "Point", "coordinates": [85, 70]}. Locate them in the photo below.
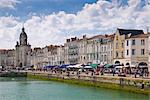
{"type": "Point", "coordinates": [116, 45]}
{"type": "Point", "coordinates": [142, 42]}
{"type": "Point", "coordinates": [111, 53]}
{"type": "Point", "coordinates": [116, 37]}
{"type": "Point", "coordinates": [127, 42]}
{"type": "Point", "coordinates": [97, 56]}
{"type": "Point", "coordinates": [142, 51]}
{"type": "Point", "coordinates": [116, 54]}
{"type": "Point", "coordinates": [127, 52]}
{"type": "Point", "coordinates": [133, 42]}
{"type": "Point", "coordinates": [133, 51]}
{"type": "Point", "coordinates": [122, 53]}
{"type": "Point", "coordinates": [122, 45]}
{"type": "Point", "coordinates": [104, 57]}
{"type": "Point", "coordinates": [94, 56]}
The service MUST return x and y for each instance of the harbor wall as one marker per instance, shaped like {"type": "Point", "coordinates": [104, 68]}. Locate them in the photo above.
{"type": "Point", "coordinates": [118, 83]}
{"type": "Point", "coordinates": [13, 74]}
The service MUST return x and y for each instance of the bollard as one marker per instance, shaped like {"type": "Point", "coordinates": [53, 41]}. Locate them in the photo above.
{"type": "Point", "coordinates": [142, 87]}
{"type": "Point", "coordinates": [121, 81]}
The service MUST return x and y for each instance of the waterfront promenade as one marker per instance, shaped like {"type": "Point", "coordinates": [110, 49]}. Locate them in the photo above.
{"type": "Point", "coordinates": [76, 75]}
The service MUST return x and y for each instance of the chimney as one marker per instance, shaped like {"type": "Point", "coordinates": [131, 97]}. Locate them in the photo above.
{"type": "Point", "coordinates": [67, 40]}
{"type": "Point", "coordinates": [106, 35]}
{"type": "Point", "coordinates": [84, 36]}
{"type": "Point", "coordinates": [73, 39]}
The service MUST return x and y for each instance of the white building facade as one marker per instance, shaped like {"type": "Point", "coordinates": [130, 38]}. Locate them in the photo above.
{"type": "Point", "coordinates": [99, 49]}
{"type": "Point", "coordinates": [136, 50]}
{"type": "Point", "coordinates": [72, 51]}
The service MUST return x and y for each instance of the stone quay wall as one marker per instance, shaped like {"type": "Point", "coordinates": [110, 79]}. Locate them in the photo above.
{"type": "Point", "coordinates": [137, 85]}
{"type": "Point", "coordinates": [13, 74]}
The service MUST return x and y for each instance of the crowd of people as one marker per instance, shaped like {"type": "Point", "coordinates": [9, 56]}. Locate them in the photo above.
{"type": "Point", "coordinates": [112, 71]}
{"type": "Point", "coordinates": [97, 71]}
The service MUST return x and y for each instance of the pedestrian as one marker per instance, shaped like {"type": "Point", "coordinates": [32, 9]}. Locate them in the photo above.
{"type": "Point", "coordinates": [68, 73]}
{"type": "Point", "coordinates": [135, 74]}
{"type": "Point", "coordinates": [92, 74]}
{"type": "Point", "coordinates": [113, 72]}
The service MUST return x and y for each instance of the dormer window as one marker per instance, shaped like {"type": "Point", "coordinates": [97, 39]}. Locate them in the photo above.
{"type": "Point", "coordinates": [129, 34]}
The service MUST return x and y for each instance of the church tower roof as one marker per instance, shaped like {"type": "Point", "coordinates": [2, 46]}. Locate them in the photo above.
{"type": "Point", "coordinates": [23, 37]}
{"type": "Point", "coordinates": [23, 33]}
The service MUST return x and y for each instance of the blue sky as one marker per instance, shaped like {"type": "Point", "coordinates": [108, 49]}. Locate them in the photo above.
{"type": "Point", "coordinates": [53, 21]}
{"type": "Point", "coordinates": [25, 8]}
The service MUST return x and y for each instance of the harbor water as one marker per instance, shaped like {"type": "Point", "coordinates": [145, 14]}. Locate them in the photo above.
{"type": "Point", "coordinates": [24, 89]}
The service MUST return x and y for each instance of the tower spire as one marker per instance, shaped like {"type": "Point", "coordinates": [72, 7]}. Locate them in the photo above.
{"type": "Point", "coordinates": [23, 28]}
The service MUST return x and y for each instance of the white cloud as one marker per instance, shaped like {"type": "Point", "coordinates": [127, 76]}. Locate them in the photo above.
{"type": "Point", "coordinates": [9, 27]}
{"type": "Point", "coordinates": [97, 18]}
{"type": "Point", "coordinates": [8, 3]}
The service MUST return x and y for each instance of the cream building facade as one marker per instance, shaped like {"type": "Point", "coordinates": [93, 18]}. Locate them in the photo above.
{"type": "Point", "coordinates": [119, 44]}
{"type": "Point", "coordinates": [50, 55]}
{"type": "Point", "coordinates": [82, 46]}
{"type": "Point", "coordinates": [149, 50]}
{"type": "Point", "coordinates": [7, 58]}
{"type": "Point", "coordinates": [37, 57]}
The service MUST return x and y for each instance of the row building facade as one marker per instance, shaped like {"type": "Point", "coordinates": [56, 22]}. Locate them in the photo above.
{"type": "Point", "coordinates": [126, 46]}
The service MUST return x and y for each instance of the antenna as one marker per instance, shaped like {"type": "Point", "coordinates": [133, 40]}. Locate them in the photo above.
{"type": "Point", "coordinates": [147, 28]}
{"type": "Point", "coordinates": [23, 25]}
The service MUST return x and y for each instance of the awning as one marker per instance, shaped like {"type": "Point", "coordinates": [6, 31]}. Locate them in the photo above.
{"type": "Point", "coordinates": [88, 67]}
{"type": "Point", "coordinates": [127, 66]}
{"type": "Point", "coordinates": [1, 67]}
{"type": "Point", "coordinates": [64, 66]}
{"type": "Point", "coordinates": [133, 66]}
{"type": "Point", "coordinates": [119, 67]}
{"type": "Point", "coordinates": [94, 65]}
{"type": "Point", "coordinates": [101, 65]}
{"type": "Point", "coordinates": [108, 66]}
{"type": "Point", "coordinates": [48, 66]}
{"type": "Point", "coordinates": [35, 67]}
{"type": "Point", "coordinates": [143, 66]}
{"type": "Point", "coordinates": [75, 66]}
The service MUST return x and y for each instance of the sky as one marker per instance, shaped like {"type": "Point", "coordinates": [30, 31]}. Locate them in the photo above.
{"type": "Point", "coordinates": [49, 22]}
